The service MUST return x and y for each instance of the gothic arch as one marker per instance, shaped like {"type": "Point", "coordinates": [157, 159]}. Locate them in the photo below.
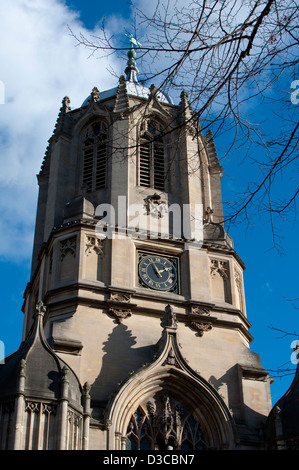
{"type": "Point", "coordinates": [195, 397]}
{"type": "Point", "coordinates": [91, 115]}
{"type": "Point", "coordinates": [81, 123]}
{"type": "Point", "coordinates": [170, 376]}
{"type": "Point", "coordinates": [152, 153]}
{"type": "Point", "coordinates": [95, 155]}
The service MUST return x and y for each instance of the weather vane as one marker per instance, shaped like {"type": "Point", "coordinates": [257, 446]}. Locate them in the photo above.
{"type": "Point", "coordinates": [133, 40]}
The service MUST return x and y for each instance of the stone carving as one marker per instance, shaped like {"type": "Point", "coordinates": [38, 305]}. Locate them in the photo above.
{"type": "Point", "coordinates": [209, 215]}
{"type": "Point", "coordinates": [95, 244]}
{"type": "Point", "coordinates": [171, 359]}
{"type": "Point", "coordinates": [167, 421]}
{"type": "Point", "coordinates": [37, 407]}
{"type": "Point", "coordinates": [49, 408]}
{"type": "Point", "coordinates": [200, 327]}
{"type": "Point", "coordinates": [218, 266]}
{"type": "Point", "coordinates": [120, 314]}
{"type": "Point", "coordinates": [108, 423]}
{"type": "Point", "coordinates": [238, 281]}
{"type": "Point", "coordinates": [95, 94]}
{"type": "Point", "coordinates": [164, 423]}
{"type": "Point", "coordinates": [32, 406]}
{"type": "Point", "coordinates": [237, 277]}
{"type": "Point", "coordinates": [68, 245]}
{"type": "Point", "coordinates": [156, 206]}
{"type": "Point", "coordinates": [120, 297]}
{"type": "Point", "coordinates": [41, 308]}
{"type": "Point", "coordinates": [198, 310]}
{"type": "Point", "coordinates": [60, 122]}
{"type": "Point", "coordinates": [66, 104]}
{"type": "Point", "coordinates": [151, 408]}
{"type": "Point", "coordinates": [86, 388]}
{"type": "Point", "coordinates": [169, 318]}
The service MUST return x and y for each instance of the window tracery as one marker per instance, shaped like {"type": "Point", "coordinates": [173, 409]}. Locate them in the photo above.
{"type": "Point", "coordinates": [164, 424]}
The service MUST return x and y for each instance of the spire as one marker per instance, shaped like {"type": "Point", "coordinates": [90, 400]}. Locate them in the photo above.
{"type": "Point", "coordinates": [131, 70]}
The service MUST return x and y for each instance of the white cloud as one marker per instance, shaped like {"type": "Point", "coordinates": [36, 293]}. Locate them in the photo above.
{"type": "Point", "coordinates": [40, 64]}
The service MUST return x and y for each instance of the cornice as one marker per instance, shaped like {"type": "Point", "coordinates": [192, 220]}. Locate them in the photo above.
{"type": "Point", "coordinates": [76, 298]}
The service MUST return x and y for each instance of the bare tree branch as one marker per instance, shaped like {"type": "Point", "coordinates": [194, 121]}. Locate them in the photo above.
{"type": "Point", "coordinates": [230, 57]}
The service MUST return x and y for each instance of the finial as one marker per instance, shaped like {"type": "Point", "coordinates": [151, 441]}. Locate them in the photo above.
{"type": "Point", "coordinates": [86, 388]}
{"type": "Point", "coordinates": [185, 107]}
{"type": "Point", "coordinates": [22, 367]}
{"type": "Point", "coordinates": [131, 69]}
{"type": "Point", "coordinates": [65, 104]}
{"type": "Point", "coordinates": [211, 149]}
{"type": "Point", "coordinates": [64, 373]}
{"type": "Point", "coordinates": [184, 97]}
{"type": "Point", "coordinates": [60, 122]}
{"type": "Point", "coordinates": [169, 318]}
{"type": "Point", "coordinates": [209, 215]}
{"type": "Point", "coordinates": [95, 94]}
{"type": "Point", "coordinates": [41, 308]}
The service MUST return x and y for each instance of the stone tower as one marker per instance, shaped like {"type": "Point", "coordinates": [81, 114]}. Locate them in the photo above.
{"type": "Point", "coordinates": [140, 338]}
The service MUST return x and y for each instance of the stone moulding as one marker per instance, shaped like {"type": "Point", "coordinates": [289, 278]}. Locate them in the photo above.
{"type": "Point", "coordinates": [66, 346]}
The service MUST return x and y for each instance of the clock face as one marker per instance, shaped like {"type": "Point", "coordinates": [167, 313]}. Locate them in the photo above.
{"type": "Point", "coordinates": [158, 272]}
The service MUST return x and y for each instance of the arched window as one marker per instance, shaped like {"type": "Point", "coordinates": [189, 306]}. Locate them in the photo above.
{"type": "Point", "coordinates": [95, 156]}
{"type": "Point", "coordinates": [152, 155]}
{"type": "Point", "coordinates": [139, 434]}
{"type": "Point", "coordinates": [164, 424]}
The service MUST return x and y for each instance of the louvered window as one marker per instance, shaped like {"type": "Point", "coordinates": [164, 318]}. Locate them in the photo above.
{"type": "Point", "coordinates": [95, 156]}
{"type": "Point", "coordinates": [152, 156]}
{"type": "Point", "coordinates": [145, 165]}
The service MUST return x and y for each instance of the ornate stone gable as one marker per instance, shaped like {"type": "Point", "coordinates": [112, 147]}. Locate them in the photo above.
{"type": "Point", "coordinates": [162, 421]}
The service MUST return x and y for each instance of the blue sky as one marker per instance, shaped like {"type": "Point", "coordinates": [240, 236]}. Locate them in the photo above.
{"type": "Point", "coordinates": [40, 65]}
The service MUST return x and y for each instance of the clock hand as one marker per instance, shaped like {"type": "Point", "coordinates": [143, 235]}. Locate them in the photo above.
{"type": "Point", "coordinates": [165, 269]}
{"type": "Point", "coordinates": [157, 270]}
